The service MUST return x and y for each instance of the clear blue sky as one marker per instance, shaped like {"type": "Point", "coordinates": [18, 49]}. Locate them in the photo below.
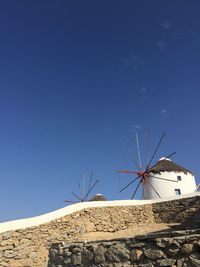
{"type": "Point", "coordinates": [77, 79]}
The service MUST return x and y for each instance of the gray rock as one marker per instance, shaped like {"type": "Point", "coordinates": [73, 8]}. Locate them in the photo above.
{"type": "Point", "coordinates": [195, 262]}
{"type": "Point", "coordinates": [78, 249]}
{"type": "Point", "coordinates": [161, 245]}
{"type": "Point", "coordinates": [163, 242]}
{"type": "Point", "coordinates": [175, 245]}
{"type": "Point", "coordinates": [146, 264]}
{"type": "Point", "coordinates": [166, 262]}
{"type": "Point", "coordinates": [173, 252]}
{"type": "Point", "coordinates": [67, 253]}
{"type": "Point", "coordinates": [180, 262]}
{"type": "Point", "coordinates": [52, 254]}
{"type": "Point", "coordinates": [76, 259]}
{"type": "Point", "coordinates": [58, 259]}
{"type": "Point", "coordinates": [153, 254]}
{"type": "Point", "coordinates": [67, 260]}
{"type": "Point", "coordinates": [187, 249]}
{"type": "Point", "coordinates": [99, 254]}
{"type": "Point", "coordinates": [137, 245]}
{"type": "Point", "coordinates": [87, 257]}
{"type": "Point", "coordinates": [118, 253]}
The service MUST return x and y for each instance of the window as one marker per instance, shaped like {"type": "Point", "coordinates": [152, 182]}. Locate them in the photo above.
{"type": "Point", "coordinates": [179, 178]}
{"type": "Point", "coordinates": [177, 192]}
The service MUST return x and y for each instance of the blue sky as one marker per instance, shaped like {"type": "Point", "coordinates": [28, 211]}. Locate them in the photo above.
{"type": "Point", "coordinates": [77, 79]}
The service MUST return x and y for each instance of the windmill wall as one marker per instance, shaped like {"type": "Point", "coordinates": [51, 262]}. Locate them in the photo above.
{"type": "Point", "coordinates": [28, 242]}
{"type": "Point", "coordinates": [167, 188]}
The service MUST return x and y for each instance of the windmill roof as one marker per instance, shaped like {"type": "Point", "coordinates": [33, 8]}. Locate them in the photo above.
{"type": "Point", "coordinates": [166, 165]}
{"type": "Point", "coordinates": [97, 197]}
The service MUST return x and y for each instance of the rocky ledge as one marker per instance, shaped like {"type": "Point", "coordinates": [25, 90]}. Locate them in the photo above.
{"type": "Point", "coordinates": [180, 248]}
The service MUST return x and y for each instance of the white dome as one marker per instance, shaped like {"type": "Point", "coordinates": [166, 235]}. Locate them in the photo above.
{"type": "Point", "coordinates": [164, 158]}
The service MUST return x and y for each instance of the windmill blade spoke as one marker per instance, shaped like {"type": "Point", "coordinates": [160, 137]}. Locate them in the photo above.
{"type": "Point", "coordinates": [136, 189]}
{"type": "Point", "coordinates": [129, 184]}
{"type": "Point", "coordinates": [127, 171]}
{"type": "Point", "coordinates": [90, 182]}
{"type": "Point", "coordinates": [148, 148]}
{"type": "Point", "coordinates": [138, 151]}
{"type": "Point", "coordinates": [157, 147]}
{"type": "Point", "coordinates": [128, 153]}
{"type": "Point", "coordinates": [161, 178]}
{"type": "Point", "coordinates": [134, 161]}
{"type": "Point", "coordinates": [83, 188]}
{"type": "Point", "coordinates": [90, 190]}
{"type": "Point", "coordinates": [153, 188]}
{"type": "Point", "coordinates": [167, 157]}
{"type": "Point", "coordinates": [70, 201]}
{"type": "Point", "coordinates": [77, 196]}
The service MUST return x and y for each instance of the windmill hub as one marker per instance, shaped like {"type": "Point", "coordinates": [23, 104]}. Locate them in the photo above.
{"type": "Point", "coordinates": [140, 173]}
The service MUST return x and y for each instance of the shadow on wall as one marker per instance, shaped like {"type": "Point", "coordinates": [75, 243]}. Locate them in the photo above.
{"type": "Point", "coordinates": [185, 212]}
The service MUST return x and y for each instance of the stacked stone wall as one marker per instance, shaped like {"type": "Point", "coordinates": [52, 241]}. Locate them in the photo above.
{"type": "Point", "coordinates": [181, 250]}
{"type": "Point", "coordinates": [30, 247]}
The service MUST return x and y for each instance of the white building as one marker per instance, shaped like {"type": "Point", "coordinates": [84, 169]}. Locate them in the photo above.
{"type": "Point", "coordinates": [167, 179]}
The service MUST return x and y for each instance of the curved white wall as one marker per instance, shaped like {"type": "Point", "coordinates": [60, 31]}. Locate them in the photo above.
{"type": "Point", "coordinates": [45, 218]}
{"type": "Point", "coordinates": [167, 188]}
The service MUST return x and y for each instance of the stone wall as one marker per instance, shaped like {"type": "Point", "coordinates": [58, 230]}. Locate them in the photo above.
{"type": "Point", "coordinates": [181, 250]}
{"type": "Point", "coordinates": [30, 247]}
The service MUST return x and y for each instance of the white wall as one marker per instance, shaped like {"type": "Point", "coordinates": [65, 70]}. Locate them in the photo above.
{"type": "Point", "coordinates": [45, 218]}
{"type": "Point", "coordinates": [166, 188]}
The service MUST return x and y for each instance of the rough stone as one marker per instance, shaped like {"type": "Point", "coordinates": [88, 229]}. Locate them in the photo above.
{"type": "Point", "coordinates": [118, 253]}
{"type": "Point", "coordinates": [180, 262]}
{"type": "Point", "coordinates": [27, 263]}
{"type": "Point", "coordinates": [34, 243]}
{"type": "Point", "coordinates": [6, 235]}
{"type": "Point", "coordinates": [33, 255]}
{"type": "Point", "coordinates": [5, 264]}
{"type": "Point", "coordinates": [195, 262]}
{"type": "Point", "coordinates": [136, 255]}
{"type": "Point", "coordinates": [166, 262]}
{"type": "Point", "coordinates": [99, 254]}
{"type": "Point", "coordinates": [153, 254]}
{"type": "Point", "coordinates": [58, 259]}
{"type": "Point", "coordinates": [76, 259]}
{"type": "Point", "coordinates": [186, 249]}
{"type": "Point", "coordinates": [67, 260]}
{"type": "Point", "coordinates": [173, 252]}
{"type": "Point", "coordinates": [87, 257]}
{"type": "Point", "coordinates": [146, 264]}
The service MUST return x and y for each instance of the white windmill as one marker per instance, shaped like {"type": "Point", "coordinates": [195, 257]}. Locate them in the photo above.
{"type": "Point", "coordinates": [167, 170]}
{"type": "Point", "coordinates": [164, 179]}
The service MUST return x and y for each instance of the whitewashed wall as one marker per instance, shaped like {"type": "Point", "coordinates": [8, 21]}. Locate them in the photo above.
{"type": "Point", "coordinates": [45, 218]}
{"type": "Point", "coordinates": [187, 185]}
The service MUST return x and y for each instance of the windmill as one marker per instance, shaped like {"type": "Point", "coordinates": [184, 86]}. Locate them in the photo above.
{"type": "Point", "coordinates": [85, 189]}
{"type": "Point", "coordinates": [144, 175]}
